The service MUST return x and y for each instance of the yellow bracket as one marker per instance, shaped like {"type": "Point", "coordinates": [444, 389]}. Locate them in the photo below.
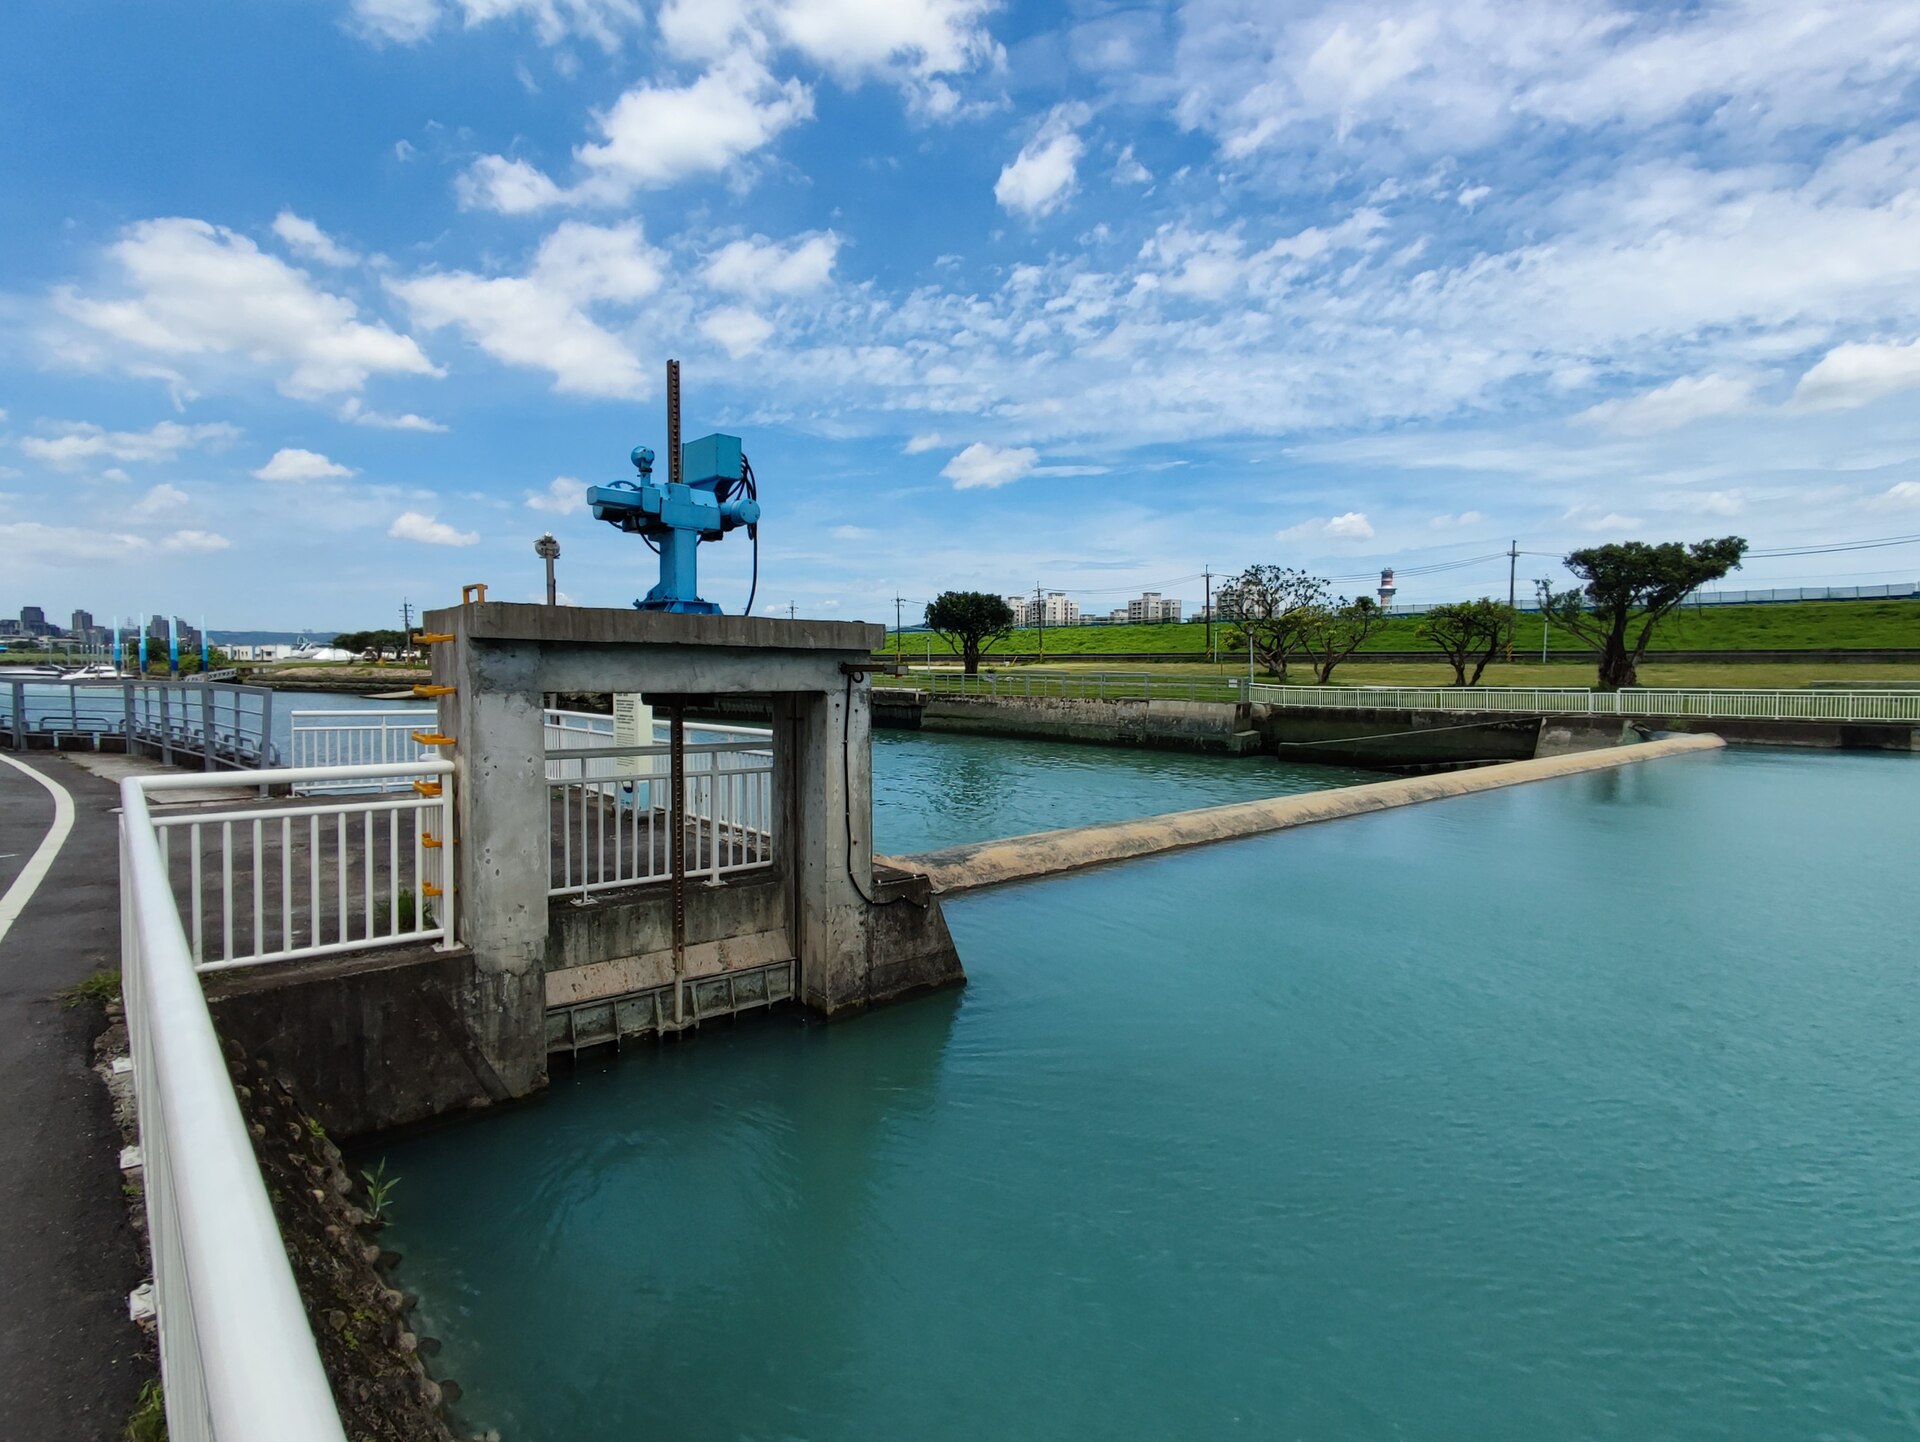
{"type": "Point", "coordinates": [430, 889]}
{"type": "Point", "coordinates": [429, 738]}
{"type": "Point", "coordinates": [426, 692]}
{"type": "Point", "coordinates": [432, 638]}
{"type": "Point", "coordinates": [476, 592]}
{"type": "Point", "coordinates": [427, 788]}
{"type": "Point", "coordinates": [430, 843]}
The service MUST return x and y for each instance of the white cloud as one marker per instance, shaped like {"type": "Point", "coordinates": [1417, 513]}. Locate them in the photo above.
{"type": "Point", "coordinates": [199, 290]}
{"type": "Point", "coordinates": [408, 22]}
{"type": "Point", "coordinates": [1352, 526]}
{"type": "Point", "coordinates": [1901, 494]}
{"type": "Point", "coordinates": [1448, 523]}
{"type": "Point", "coordinates": [357, 414]}
{"type": "Point", "coordinates": [564, 496]}
{"type": "Point", "coordinates": [290, 463]}
{"type": "Point", "coordinates": [760, 267]}
{"type": "Point", "coordinates": [1858, 373]}
{"type": "Point", "coordinates": [1127, 170]}
{"type": "Point", "coordinates": [195, 542]}
{"type": "Point", "coordinates": [33, 542]}
{"type": "Point", "coordinates": [1472, 195]}
{"type": "Point", "coordinates": [739, 330]}
{"type": "Point", "coordinates": [1678, 403]}
{"type": "Point", "coordinates": [412, 526]}
{"type": "Point", "coordinates": [304, 238]}
{"type": "Point", "coordinates": [540, 320]}
{"type": "Point", "coordinates": [1613, 521]}
{"type": "Point", "coordinates": [1071, 470]}
{"type": "Point", "coordinates": [912, 42]}
{"type": "Point", "coordinates": [653, 136]}
{"type": "Point", "coordinates": [512, 187]}
{"type": "Point", "coordinates": [161, 500]}
{"type": "Point", "coordinates": [1039, 179]}
{"type": "Point", "coordinates": [852, 533]}
{"type": "Point", "coordinates": [78, 442]}
{"type": "Point", "coordinates": [983, 466]}
{"type": "Point", "coordinates": [926, 441]}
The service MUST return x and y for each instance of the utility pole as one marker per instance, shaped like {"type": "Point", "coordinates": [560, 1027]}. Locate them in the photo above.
{"type": "Point", "coordinates": [1543, 588]}
{"type": "Point", "coordinates": [1209, 613]}
{"type": "Point", "coordinates": [1513, 560]}
{"type": "Point", "coordinates": [899, 637]}
{"type": "Point", "coordinates": [791, 610]}
{"type": "Point", "coordinates": [1040, 620]}
{"type": "Point", "coordinates": [406, 627]}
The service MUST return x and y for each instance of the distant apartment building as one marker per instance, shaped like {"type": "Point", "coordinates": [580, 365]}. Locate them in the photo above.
{"type": "Point", "coordinates": [1152, 606]}
{"type": "Point", "coordinates": [33, 622]}
{"type": "Point", "coordinates": [1055, 609]}
{"type": "Point", "coordinates": [82, 623]}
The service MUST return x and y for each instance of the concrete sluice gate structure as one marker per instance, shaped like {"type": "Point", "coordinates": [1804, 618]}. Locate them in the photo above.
{"type": "Point", "coordinates": [610, 892]}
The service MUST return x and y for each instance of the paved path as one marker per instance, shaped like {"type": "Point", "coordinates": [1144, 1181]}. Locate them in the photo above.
{"type": "Point", "coordinates": [71, 1363]}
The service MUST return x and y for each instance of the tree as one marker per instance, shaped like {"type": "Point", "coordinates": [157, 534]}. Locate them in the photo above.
{"type": "Point", "coordinates": [1634, 582]}
{"type": "Point", "coordinates": [1333, 633]}
{"type": "Point", "coordinates": [969, 622]}
{"type": "Point", "coordinates": [1272, 606]}
{"type": "Point", "coordinates": [1469, 633]}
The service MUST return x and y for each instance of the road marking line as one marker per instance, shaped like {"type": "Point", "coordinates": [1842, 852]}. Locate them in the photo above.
{"type": "Point", "coordinates": [35, 871]}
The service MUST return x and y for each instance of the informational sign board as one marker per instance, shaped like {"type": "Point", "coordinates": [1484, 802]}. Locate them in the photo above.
{"type": "Point", "coordinates": [632, 726]}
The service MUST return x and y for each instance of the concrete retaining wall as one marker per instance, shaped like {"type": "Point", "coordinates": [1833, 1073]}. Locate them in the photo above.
{"type": "Point", "coordinates": [1049, 853]}
{"type": "Point", "coordinates": [1221, 727]}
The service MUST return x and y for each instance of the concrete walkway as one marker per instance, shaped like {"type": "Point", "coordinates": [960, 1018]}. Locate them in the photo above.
{"type": "Point", "coordinates": [71, 1364]}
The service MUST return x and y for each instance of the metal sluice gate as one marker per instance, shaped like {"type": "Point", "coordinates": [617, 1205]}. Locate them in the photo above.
{"type": "Point", "coordinates": [649, 1012]}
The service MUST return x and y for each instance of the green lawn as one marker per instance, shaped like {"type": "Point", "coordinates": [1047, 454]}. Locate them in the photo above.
{"type": "Point", "coordinates": [1755, 675]}
{"type": "Point", "coordinates": [1790, 625]}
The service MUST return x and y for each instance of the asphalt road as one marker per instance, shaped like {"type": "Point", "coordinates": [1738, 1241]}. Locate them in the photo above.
{"type": "Point", "coordinates": [71, 1363]}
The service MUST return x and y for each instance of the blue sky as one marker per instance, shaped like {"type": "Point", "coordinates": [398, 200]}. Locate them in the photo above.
{"type": "Point", "coordinates": [308, 306]}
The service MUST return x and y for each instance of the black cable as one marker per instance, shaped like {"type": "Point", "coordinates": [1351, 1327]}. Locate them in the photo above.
{"type": "Point", "coordinates": [752, 484]}
{"type": "Point", "coordinates": [846, 798]}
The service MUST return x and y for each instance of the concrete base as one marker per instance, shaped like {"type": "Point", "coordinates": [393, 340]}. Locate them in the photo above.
{"type": "Point", "coordinates": [377, 1041]}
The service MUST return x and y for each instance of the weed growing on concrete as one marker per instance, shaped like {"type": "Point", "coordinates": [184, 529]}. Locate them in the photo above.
{"type": "Point", "coordinates": [383, 915]}
{"type": "Point", "coordinates": [102, 987]}
{"type": "Point", "coordinates": [149, 1420]}
{"type": "Point", "coordinates": [379, 1189]}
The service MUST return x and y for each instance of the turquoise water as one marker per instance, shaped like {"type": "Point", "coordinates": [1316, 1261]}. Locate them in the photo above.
{"type": "Point", "coordinates": [932, 790]}
{"type": "Point", "coordinates": [1588, 1109]}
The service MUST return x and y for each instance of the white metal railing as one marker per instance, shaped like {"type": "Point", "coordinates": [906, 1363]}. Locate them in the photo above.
{"type": "Point", "coordinates": [268, 883]}
{"type": "Point", "coordinates": [612, 809]}
{"type": "Point", "coordinates": [1749, 705]}
{"type": "Point", "coordinates": [183, 722]}
{"type": "Point", "coordinates": [237, 1357]}
{"type": "Point", "coordinates": [325, 739]}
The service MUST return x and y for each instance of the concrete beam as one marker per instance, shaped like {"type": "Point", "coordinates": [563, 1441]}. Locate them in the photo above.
{"type": "Point", "coordinates": [1049, 853]}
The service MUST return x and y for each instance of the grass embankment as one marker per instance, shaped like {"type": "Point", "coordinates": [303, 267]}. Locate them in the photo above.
{"type": "Point", "coordinates": [1743, 675]}
{"type": "Point", "coordinates": [1787, 626]}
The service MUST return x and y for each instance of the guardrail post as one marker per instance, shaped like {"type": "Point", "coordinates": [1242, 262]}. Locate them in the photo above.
{"type": "Point", "coordinates": [19, 715]}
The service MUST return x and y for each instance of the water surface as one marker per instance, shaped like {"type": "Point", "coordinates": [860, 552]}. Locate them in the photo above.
{"type": "Point", "coordinates": [1585, 1109]}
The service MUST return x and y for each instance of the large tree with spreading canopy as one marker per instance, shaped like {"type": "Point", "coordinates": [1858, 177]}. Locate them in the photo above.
{"type": "Point", "coordinates": [1629, 588]}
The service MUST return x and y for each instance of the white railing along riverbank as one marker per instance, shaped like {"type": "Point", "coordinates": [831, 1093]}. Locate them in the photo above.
{"type": "Point", "coordinates": [1741, 705]}
{"type": "Point", "coordinates": [237, 1357]}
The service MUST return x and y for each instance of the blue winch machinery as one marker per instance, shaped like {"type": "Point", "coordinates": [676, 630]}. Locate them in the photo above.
{"type": "Point", "coordinates": [710, 490]}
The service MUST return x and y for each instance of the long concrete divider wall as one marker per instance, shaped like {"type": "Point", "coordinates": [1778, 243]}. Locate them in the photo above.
{"type": "Point", "coordinates": [1049, 853]}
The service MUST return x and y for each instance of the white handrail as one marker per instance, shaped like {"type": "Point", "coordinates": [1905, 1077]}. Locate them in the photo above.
{"type": "Point", "coordinates": [237, 1358]}
{"type": "Point", "coordinates": [1649, 702]}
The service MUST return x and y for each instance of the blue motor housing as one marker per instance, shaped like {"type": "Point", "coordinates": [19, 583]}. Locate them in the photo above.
{"type": "Point", "coordinates": [713, 497]}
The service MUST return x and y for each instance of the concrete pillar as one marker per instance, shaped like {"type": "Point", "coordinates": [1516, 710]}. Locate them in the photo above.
{"type": "Point", "coordinates": [832, 782]}
{"type": "Point", "coordinates": [501, 855]}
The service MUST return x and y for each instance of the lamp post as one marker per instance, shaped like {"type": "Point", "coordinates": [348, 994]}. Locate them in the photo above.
{"type": "Point", "coordinates": [548, 550]}
{"type": "Point", "coordinates": [1544, 589]}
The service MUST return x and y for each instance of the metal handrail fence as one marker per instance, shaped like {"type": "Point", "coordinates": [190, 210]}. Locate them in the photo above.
{"type": "Point", "coordinates": [1744, 705]}
{"type": "Point", "coordinates": [212, 722]}
{"type": "Point", "coordinates": [611, 810]}
{"type": "Point", "coordinates": [237, 1358]}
